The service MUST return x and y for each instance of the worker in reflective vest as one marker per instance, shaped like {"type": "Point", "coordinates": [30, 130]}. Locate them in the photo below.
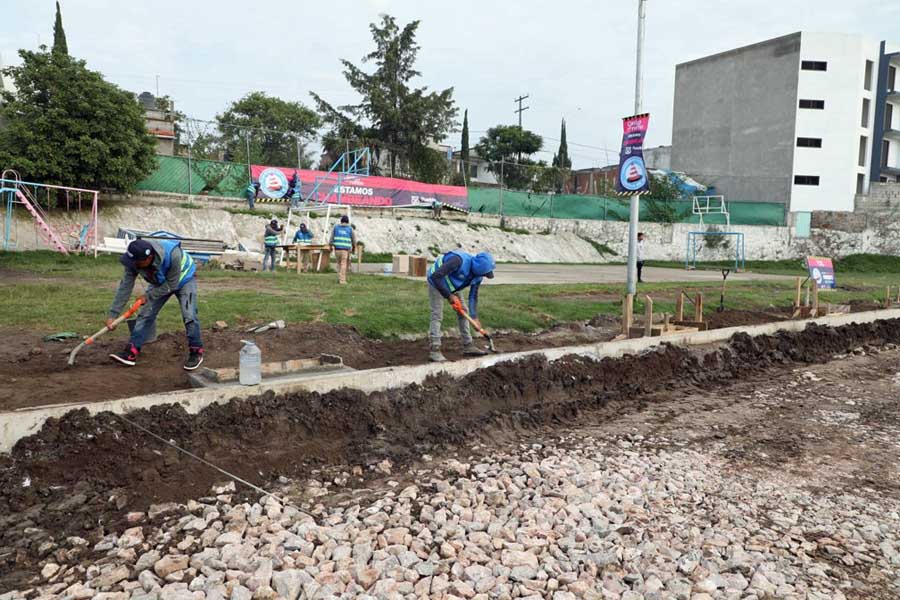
{"type": "Point", "coordinates": [451, 273]}
{"type": "Point", "coordinates": [343, 241]}
{"type": "Point", "coordinates": [270, 243]}
{"type": "Point", "coordinates": [170, 271]}
{"type": "Point", "coordinates": [251, 192]}
{"type": "Point", "coordinates": [303, 237]}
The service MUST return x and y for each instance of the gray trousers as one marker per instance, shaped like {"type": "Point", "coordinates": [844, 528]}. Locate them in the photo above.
{"type": "Point", "coordinates": [437, 315]}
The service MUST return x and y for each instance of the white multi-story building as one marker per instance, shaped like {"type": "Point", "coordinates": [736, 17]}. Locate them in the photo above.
{"type": "Point", "coordinates": [806, 119]}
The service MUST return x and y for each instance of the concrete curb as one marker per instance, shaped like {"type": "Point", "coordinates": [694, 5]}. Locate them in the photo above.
{"type": "Point", "coordinates": [17, 424]}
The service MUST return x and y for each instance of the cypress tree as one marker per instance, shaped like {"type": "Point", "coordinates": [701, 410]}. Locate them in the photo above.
{"type": "Point", "coordinates": [464, 153]}
{"type": "Point", "coordinates": [59, 35]}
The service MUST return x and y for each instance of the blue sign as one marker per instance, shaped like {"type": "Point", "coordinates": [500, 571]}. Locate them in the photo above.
{"type": "Point", "coordinates": [273, 183]}
{"type": "Point", "coordinates": [633, 174]}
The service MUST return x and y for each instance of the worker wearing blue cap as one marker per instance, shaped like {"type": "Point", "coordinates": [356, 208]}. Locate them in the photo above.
{"type": "Point", "coordinates": [170, 271]}
{"type": "Point", "coordinates": [450, 273]}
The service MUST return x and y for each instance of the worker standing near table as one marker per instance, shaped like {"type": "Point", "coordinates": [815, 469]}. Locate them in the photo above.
{"type": "Point", "coordinates": [303, 237]}
{"type": "Point", "coordinates": [271, 243]}
{"type": "Point", "coordinates": [343, 241]}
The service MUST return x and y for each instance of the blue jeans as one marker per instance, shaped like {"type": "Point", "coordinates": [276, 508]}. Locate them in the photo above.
{"type": "Point", "coordinates": [251, 200]}
{"type": "Point", "coordinates": [187, 300]}
{"type": "Point", "coordinates": [270, 256]}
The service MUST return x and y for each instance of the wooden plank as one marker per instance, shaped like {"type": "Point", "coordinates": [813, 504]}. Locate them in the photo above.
{"type": "Point", "coordinates": [679, 306]}
{"type": "Point", "coordinates": [698, 308]}
{"type": "Point", "coordinates": [648, 315]}
{"type": "Point", "coordinates": [627, 313]}
{"type": "Point", "coordinates": [700, 325]}
{"type": "Point", "coordinates": [797, 292]}
{"type": "Point", "coordinates": [815, 298]}
{"type": "Point", "coordinates": [887, 297]}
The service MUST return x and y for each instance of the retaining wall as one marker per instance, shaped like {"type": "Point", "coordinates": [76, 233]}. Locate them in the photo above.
{"type": "Point", "coordinates": [514, 239]}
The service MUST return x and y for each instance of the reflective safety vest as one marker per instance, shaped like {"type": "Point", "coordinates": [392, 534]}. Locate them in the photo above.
{"type": "Point", "coordinates": [461, 277]}
{"type": "Point", "coordinates": [343, 237]}
{"type": "Point", "coordinates": [251, 191]}
{"type": "Point", "coordinates": [271, 238]}
{"type": "Point", "coordinates": [302, 238]}
{"type": "Point", "coordinates": [187, 266]}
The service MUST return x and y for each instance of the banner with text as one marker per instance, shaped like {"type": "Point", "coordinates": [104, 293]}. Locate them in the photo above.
{"type": "Point", "coordinates": [633, 177]}
{"type": "Point", "coordinates": [821, 270]}
{"type": "Point", "coordinates": [355, 190]}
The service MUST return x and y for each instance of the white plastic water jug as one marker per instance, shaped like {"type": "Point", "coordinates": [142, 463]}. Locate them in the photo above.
{"type": "Point", "coordinates": [250, 364]}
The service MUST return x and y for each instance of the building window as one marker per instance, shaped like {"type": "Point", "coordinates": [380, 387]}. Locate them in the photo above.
{"type": "Point", "coordinates": [869, 68]}
{"type": "Point", "coordinates": [865, 113]}
{"type": "Point", "coordinates": [816, 104]}
{"type": "Point", "coordinates": [885, 146]}
{"type": "Point", "coordinates": [809, 142]}
{"type": "Point", "coordinates": [888, 115]}
{"type": "Point", "coordinates": [892, 78]}
{"type": "Point", "coordinates": [863, 142]}
{"type": "Point", "coordinates": [860, 183]}
{"type": "Point", "coordinates": [814, 65]}
{"type": "Point", "coordinates": [473, 171]}
{"type": "Point", "coordinates": [882, 179]}
{"type": "Point", "coordinates": [806, 180]}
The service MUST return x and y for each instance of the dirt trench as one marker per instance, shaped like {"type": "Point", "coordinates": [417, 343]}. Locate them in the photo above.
{"type": "Point", "coordinates": [80, 474]}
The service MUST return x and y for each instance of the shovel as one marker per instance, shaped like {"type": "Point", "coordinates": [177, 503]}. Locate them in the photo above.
{"type": "Point", "coordinates": [478, 328]}
{"type": "Point", "coordinates": [721, 307]}
{"type": "Point", "coordinates": [279, 324]}
{"type": "Point", "coordinates": [134, 308]}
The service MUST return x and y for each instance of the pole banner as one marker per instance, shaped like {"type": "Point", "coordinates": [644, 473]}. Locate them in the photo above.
{"type": "Point", "coordinates": [633, 177]}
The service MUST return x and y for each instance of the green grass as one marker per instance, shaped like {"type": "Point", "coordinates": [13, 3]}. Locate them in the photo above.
{"type": "Point", "coordinates": [48, 292]}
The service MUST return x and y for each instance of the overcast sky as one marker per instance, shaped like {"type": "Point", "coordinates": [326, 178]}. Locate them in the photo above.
{"type": "Point", "coordinates": [575, 58]}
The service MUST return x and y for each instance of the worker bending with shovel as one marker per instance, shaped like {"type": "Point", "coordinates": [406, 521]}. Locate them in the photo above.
{"type": "Point", "coordinates": [170, 271]}
{"type": "Point", "coordinates": [450, 273]}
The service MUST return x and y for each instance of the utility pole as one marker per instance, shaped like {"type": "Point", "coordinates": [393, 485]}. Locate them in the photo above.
{"type": "Point", "coordinates": [520, 110]}
{"type": "Point", "coordinates": [636, 199]}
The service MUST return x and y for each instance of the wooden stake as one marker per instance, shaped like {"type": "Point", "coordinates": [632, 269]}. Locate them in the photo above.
{"type": "Point", "coordinates": [627, 313]}
{"type": "Point", "coordinates": [815, 299]}
{"type": "Point", "coordinates": [797, 293]}
{"type": "Point", "coordinates": [698, 307]}
{"type": "Point", "coordinates": [648, 316]}
{"type": "Point", "coordinates": [679, 306]}
{"type": "Point", "coordinates": [887, 297]}
{"type": "Point", "coordinates": [666, 326]}
{"type": "Point", "coordinates": [807, 292]}
{"type": "Point", "coordinates": [299, 261]}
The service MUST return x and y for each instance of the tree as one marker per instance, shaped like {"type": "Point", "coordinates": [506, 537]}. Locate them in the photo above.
{"type": "Point", "coordinates": [501, 145]}
{"type": "Point", "coordinates": [561, 161]}
{"type": "Point", "coordinates": [59, 34]}
{"type": "Point", "coordinates": [275, 128]}
{"type": "Point", "coordinates": [66, 125]}
{"type": "Point", "coordinates": [561, 158]}
{"type": "Point", "coordinates": [402, 119]}
{"type": "Point", "coordinates": [464, 142]}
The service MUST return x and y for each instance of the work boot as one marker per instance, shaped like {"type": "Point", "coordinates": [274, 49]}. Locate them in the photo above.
{"type": "Point", "coordinates": [471, 349]}
{"type": "Point", "coordinates": [195, 359]}
{"type": "Point", "coordinates": [435, 355]}
{"type": "Point", "coordinates": [128, 356]}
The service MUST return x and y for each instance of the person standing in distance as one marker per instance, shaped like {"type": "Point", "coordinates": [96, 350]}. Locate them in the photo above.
{"type": "Point", "coordinates": [343, 241]}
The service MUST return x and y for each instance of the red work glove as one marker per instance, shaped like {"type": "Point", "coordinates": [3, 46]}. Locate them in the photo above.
{"type": "Point", "coordinates": [456, 303]}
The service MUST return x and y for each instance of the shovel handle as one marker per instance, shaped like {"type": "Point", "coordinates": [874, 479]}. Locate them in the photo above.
{"type": "Point", "coordinates": [131, 310]}
{"type": "Point", "coordinates": [474, 323]}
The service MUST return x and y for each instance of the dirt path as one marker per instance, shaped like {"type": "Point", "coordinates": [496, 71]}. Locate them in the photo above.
{"type": "Point", "coordinates": [34, 372]}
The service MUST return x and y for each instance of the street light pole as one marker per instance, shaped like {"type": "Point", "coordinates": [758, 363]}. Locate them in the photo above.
{"type": "Point", "coordinates": [638, 108]}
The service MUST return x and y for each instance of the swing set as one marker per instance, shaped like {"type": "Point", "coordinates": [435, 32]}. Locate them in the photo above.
{"type": "Point", "coordinates": [70, 235]}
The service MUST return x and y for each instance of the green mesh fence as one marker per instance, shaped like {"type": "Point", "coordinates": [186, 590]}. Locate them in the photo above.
{"type": "Point", "coordinates": [230, 179]}
{"type": "Point", "coordinates": [568, 206]}
{"type": "Point", "coordinates": [205, 176]}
